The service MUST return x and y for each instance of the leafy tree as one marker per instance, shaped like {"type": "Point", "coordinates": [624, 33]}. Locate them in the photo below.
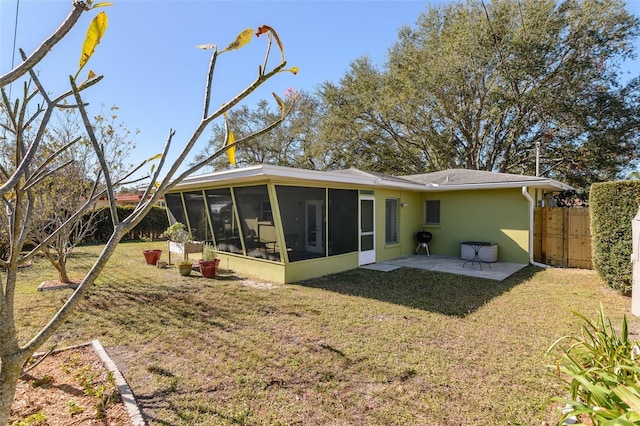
{"type": "Point", "coordinates": [63, 192]}
{"type": "Point", "coordinates": [32, 165]}
{"type": "Point", "coordinates": [479, 85]}
{"type": "Point", "coordinates": [291, 144]}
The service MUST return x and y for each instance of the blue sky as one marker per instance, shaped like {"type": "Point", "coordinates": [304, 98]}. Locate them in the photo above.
{"type": "Point", "coordinates": [155, 75]}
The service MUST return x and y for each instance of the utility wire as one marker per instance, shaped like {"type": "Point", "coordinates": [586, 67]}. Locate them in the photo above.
{"type": "Point", "coordinates": [15, 40]}
{"type": "Point", "coordinates": [15, 35]}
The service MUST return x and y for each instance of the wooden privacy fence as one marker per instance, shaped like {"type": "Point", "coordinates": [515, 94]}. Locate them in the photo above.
{"type": "Point", "coordinates": [562, 237]}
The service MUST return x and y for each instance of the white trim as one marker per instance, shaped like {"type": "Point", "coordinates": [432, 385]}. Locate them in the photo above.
{"type": "Point", "coordinates": [525, 193]}
{"type": "Point", "coordinates": [369, 256]}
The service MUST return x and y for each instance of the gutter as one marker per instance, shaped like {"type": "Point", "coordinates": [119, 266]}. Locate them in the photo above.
{"type": "Point", "coordinates": [526, 195]}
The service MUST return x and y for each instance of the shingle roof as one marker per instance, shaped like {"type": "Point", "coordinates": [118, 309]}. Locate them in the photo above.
{"type": "Point", "coordinates": [357, 172]}
{"type": "Point", "coordinates": [471, 177]}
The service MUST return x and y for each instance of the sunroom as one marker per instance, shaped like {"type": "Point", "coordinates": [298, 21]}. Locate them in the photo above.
{"type": "Point", "coordinates": [275, 223]}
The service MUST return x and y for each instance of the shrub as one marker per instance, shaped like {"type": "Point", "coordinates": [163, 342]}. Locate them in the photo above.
{"type": "Point", "coordinates": [603, 373]}
{"type": "Point", "coordinates": [612, 207]}
{"type": "Point", "coordinates": [153, 224]}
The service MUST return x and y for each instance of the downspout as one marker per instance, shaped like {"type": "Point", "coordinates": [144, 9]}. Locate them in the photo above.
{"type": "Point", "coordinates": [525, 192]}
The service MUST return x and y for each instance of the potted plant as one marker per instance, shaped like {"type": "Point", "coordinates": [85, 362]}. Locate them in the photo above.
{"type": "Point", "coordinates": [178, 233]}
{"type": "Point", "coordinates": [151, 256]}
{"type": "Point", "coordinates": [184, 267]}
{"type": "Point", "coordinates": [209, 263]}
{"type": "Point", "coordinates": [180, 241]}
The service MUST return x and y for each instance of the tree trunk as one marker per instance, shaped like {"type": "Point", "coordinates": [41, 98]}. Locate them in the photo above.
{"type": "Point", "coordinates": [10, 370]}
{"type": "Point", "coordinates": [62, 273]}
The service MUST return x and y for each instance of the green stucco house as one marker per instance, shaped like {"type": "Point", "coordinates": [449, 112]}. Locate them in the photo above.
{"type": "Point", "coordinates": [285, 224]}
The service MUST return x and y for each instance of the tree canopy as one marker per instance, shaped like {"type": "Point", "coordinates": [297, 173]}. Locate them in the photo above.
{"type": "Point", "coordinates": [290, 144]}
{"type": "Point", "coordinates": [481, 85]}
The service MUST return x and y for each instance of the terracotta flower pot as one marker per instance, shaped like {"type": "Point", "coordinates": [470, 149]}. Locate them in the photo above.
{"type": "Point", "coordinates": [208, 267]}
{"type": "Point", "coordinates": [185, 269]}
{"type": "Point", "coordinates": [152, 256]}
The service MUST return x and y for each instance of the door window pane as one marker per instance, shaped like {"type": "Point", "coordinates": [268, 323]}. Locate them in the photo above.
{"type": "Point", "coordinates": [366, 242]}
{"type": "Point", "coordinates": [366, 221]}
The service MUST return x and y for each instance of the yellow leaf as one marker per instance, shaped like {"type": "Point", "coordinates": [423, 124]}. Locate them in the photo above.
{"type": "Point", "coordinates": [231, 152]}
{"type": "Point", "coordinates": [155, 157]}
{"type": "Point", "coordinates": [94, 35]}
{"type": "Point", "coordinates": [242, 39]}
{"type": "Point", "coordinates": [102, 4]}
{"type": "Point", "coordinates": [156, 184]}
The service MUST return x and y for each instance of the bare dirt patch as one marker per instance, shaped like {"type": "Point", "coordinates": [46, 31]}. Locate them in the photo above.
{"type": "Point", "coordinates": [57, 285]}
{"type": "Point", "coordinates": [71, 387]}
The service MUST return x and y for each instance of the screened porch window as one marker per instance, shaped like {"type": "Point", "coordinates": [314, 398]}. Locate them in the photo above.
{"type": "Point", "coordinates": [432, 212]}
{"type": "Point", "coordinates": [311, 229]}
{"type": "Point", "coordinates": [391, 221]}
{"type": "Point", "coordinates": [196, 213]}
{"type": "Point", "coordinates": [302, 211]}
{"type": "Point", "coordinates": [258, 231]}
{"type": "Point", "coordinates": [343, 221]}
{"type": "Point", "coordinates": [223, 220]}
{"type": "Point", "coordinates": [175, 208]}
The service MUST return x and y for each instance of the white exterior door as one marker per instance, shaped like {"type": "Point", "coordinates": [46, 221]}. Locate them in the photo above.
{"type": "Point", "coordinates": [367, 231]}
{"type": "Point", "coordinates": [314, 234]}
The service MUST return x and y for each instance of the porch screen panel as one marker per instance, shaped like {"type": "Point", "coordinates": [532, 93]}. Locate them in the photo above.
{"type": "Point", "coordinates": [198, 223]}
{"type": "Point", "coordinates": [256, 221]}
{"type": "Point", "coordinates": [303, 221]}
{"type": "Point", "coordinates": [175, 208]}
{"type": "Point", "coordinates": [343, 221]}
{"type": "Point", "coordinates": [223, 220]}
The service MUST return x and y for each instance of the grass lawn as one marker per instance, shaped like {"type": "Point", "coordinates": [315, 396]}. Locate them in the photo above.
{"type": "Point", "coordinates": [361, 347]}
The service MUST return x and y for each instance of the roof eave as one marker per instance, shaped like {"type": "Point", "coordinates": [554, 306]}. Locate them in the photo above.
{"type": "Point", "coordinates": [545, 184]}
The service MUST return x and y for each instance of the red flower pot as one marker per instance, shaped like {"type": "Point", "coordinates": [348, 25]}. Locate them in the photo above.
{"type": "Point", "coordinates": [208, 267]}
{"type": "Point", "coordinates": [152, 256]}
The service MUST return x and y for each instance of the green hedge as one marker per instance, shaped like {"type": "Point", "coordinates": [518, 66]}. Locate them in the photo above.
{"type": "Point", "coordinates": [154, 224]}
{"type": "Point", "coordinates": [612, 207]}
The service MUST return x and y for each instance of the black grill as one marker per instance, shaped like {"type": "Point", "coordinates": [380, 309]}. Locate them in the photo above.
{"type": "Point", "coordinates": [424, 237]}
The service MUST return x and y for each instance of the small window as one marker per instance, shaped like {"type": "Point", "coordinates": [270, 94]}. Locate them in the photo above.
{"type": "Point", "coordinates": [432, 212]}
{"type": "Point", "coordinates": [391, 221]}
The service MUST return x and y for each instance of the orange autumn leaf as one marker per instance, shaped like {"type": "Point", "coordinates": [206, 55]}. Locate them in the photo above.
{"type": "Point", "coordinates": [263, 29]}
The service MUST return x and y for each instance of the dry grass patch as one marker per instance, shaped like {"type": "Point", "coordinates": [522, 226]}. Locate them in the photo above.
{"type": "Point", "coordinates": [362, 347]}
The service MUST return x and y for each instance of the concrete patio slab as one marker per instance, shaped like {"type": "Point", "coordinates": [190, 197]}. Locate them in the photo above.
{"type": "Point", "coordinates": [493, 271]}
{"type": "Point", "coordinates": [382, 266]}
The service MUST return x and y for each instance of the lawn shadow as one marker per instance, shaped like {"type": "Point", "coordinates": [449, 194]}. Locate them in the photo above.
{"type": "Point", "coordinates": [444, 293]}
